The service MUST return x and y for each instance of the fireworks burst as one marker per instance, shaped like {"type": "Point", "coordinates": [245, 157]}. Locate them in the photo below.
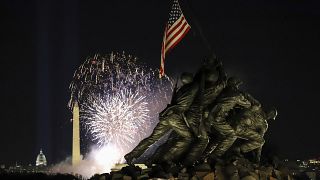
{"type": "Point", "coordinates": [119, 99]}
{"type": "Point", "coordinates": [118, 118]}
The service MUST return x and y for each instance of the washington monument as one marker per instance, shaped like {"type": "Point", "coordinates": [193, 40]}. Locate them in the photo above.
{"type": "Point", "coordinates": [76, 135]}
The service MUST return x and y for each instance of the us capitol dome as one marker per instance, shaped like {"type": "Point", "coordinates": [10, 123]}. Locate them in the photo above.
{"type": "Point", "coordinates": [41, 159]}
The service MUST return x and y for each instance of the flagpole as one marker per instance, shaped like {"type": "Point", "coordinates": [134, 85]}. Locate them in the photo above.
{"type": "Point", "coordinates": [211, 54]}
{"type": "Point", "coordinates": [198, 29]}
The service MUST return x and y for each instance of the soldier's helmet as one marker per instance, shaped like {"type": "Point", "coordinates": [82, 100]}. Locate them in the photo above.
{"type": "Point", "coordinates": [186, 78]}
{"type": "Point", "coordinates": [272, 114]}
{"type": "Point", "coordinates": [211, 75]}
{"type": "Point", "coordinates": [234, 82]}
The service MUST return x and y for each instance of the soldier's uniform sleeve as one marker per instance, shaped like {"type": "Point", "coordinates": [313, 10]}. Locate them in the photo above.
{"type": "Point", "coordinates": [264, 127]}
{"type": "Point", "coordinates": [252, 99]}
{"type": "Point", "coordinates": [212, 93]}
{"type": "Point", "coordinates": [184, 98]}
{"type": "Point", "coordinates": [260, 123]}
{"type": "Point", "coordinates": [225, 104]}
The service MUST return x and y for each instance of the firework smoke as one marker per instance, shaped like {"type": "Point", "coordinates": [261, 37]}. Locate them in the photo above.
{"type": "Point", "coordinates": [99, 160]}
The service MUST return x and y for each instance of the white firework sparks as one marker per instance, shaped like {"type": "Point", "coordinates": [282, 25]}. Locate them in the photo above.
{"type": "Point", "coordinates": [120, 119]}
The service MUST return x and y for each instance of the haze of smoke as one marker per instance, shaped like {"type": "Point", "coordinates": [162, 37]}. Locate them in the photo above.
{"type": "Point", "coordinates": [98, 161]}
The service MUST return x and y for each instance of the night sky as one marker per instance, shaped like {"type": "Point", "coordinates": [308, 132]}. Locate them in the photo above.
{"type": "Point", "coordinates": [273, 46]}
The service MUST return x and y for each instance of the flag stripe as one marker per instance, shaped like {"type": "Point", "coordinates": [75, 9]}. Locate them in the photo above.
{"type": "Point", "coordinates": [168, 41]}
{"type": "Point", "coordinates": [163, 54]}
{"type": "Point", "coordinates": [182, 35]}
{"type": "Point", "coordinates": [176, 24]}
{"type": "Point", "coordinates": [178, 38]}
{"type": "Point", "coordinates": [176, 29]}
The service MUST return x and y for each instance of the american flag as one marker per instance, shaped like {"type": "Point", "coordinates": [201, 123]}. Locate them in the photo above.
{"type": "Point", "coordinates": [176, 28]}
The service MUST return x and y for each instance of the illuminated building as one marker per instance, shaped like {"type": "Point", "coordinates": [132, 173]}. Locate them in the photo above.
{"type": "Point", "coordinates": [41, 159]}
{"type": "Point", "coordinates": [314, 162]}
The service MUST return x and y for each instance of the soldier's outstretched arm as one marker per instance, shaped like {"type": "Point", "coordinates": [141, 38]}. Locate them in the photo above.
{"type": "Point", "coordinates": [161, 129]}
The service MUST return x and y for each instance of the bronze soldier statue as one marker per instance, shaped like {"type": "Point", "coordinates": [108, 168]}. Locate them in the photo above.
{"type": "Point", "coordinates": [251, 126]}
{"type": "Point", "coordinates": [230, 98]}
{"type": "Point", "coordinates": [215, 82]}
{"type": "Point", "coordinates": [206, 116]}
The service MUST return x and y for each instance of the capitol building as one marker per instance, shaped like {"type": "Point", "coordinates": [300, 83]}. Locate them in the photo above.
{"type": "Point", "coordinates": [41, 159]}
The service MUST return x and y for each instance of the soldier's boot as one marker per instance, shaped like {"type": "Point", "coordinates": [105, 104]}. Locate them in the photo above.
{"type": "Point", "coordinates": [214, 160]}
